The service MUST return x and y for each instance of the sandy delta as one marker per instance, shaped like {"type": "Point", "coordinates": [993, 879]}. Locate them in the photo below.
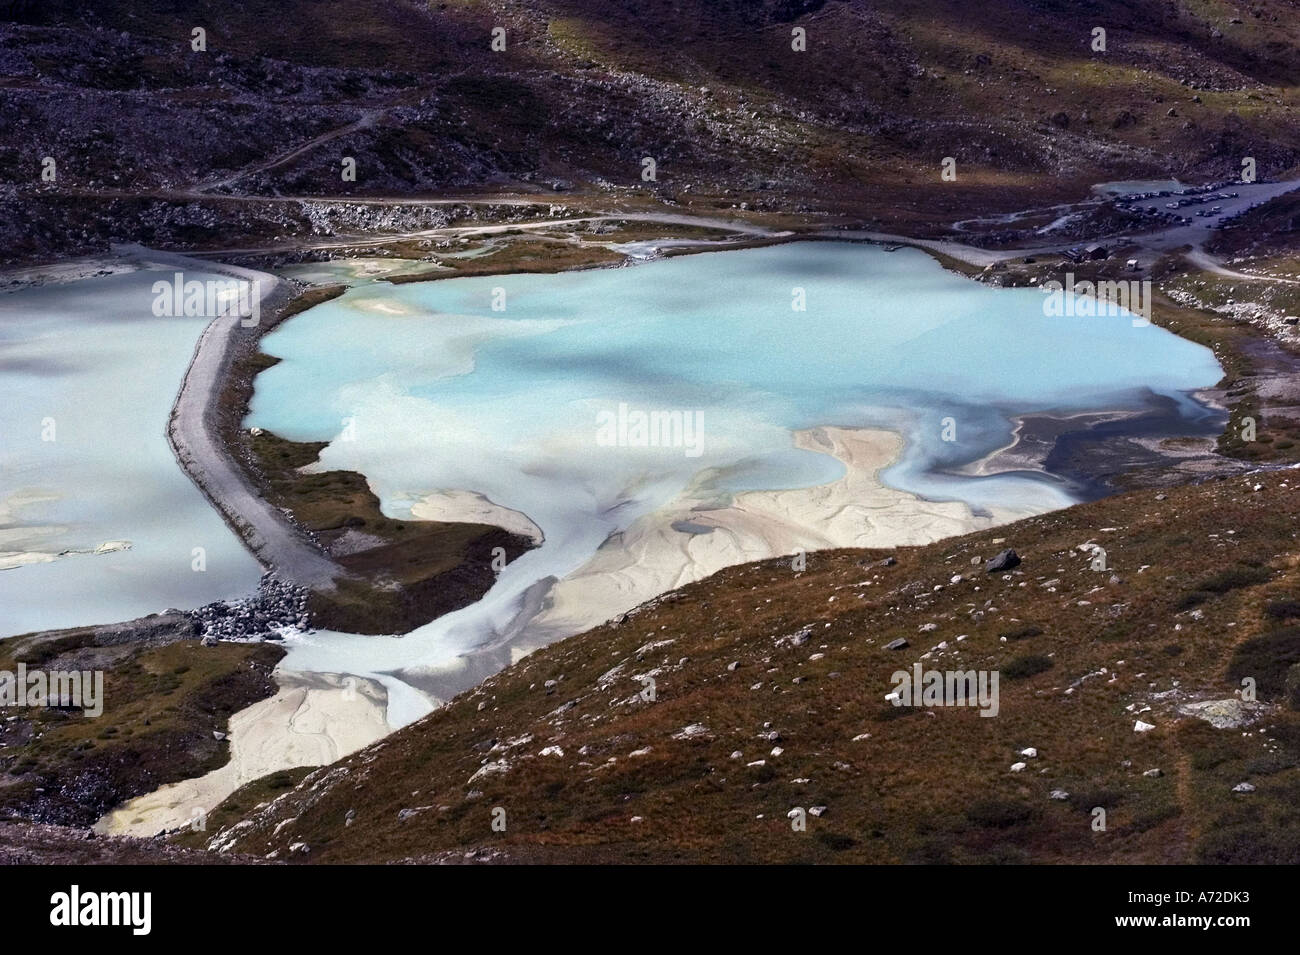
{"type": "Point", "coordinates": [318, 718]}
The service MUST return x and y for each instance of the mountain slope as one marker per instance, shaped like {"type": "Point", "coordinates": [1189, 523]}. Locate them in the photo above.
{"type": "Point", "coordinates": [784, 676]}
{"type": "Point", "coordinates": [585, 91]}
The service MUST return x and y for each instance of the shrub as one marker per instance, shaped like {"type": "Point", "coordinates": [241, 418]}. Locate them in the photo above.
{"type": "Point", "coordinates": [1234, 578]}
{"type": "Point", "coordinates": [836, 841]}
{"type": "Point", "coordinates": [1090, 799]}
{"type": "Point", "coordinates": [932, 851]}
{"type": "Point", "coordinates": [1267, 659]}
{"type": "Point", "coordinates": [1154, 817]}
{"type": "Point", "coordinates": [1282, 609]}
{"type": "Point", "coordinates": [1116, 631]}
{"type": "Point", "coordinates": [1004, 854]}
{"type": "Point", "coordinates": [1206, 746]}
{"type": "Point", "coordinates": [1249, 844]}
{"type": "Point", "coordinates": [1270, 765]}
{"type": "Point", "coordinates": [1193, 599]}
{"type": "Point", "coordinates": [1026, 666]}
{"type": "Point", "coordinates": [999, 813]}
{"type": "Point", "coordinates": [1231, 578]}
{"type": "Point", "coordinates": [891, 712]}
{"type": "Point", "coordinates": [1291, 688]}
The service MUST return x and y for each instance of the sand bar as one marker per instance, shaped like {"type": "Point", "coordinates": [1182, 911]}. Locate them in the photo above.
{"type": "Point", "coordinates": [315, 719]}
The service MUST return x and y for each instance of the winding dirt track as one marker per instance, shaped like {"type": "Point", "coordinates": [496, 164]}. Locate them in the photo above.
{"type": "Point", "coordinates": [1203, 260]}
{"type": "Point", "coordinates": [368, 119]}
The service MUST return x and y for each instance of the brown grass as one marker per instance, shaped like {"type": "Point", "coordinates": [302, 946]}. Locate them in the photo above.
{"type": "Point", "coordinates": [416, 572]}
{"type": "Point", "coordinates": [928, 785]}
{"type": "Point", "coordinates": [161, 706]}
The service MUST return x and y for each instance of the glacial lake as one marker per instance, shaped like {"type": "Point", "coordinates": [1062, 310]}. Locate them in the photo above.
{"type": "Point", "coordinates": [427, 387]}
{"type": "Point", "coordinates": [88, 376]}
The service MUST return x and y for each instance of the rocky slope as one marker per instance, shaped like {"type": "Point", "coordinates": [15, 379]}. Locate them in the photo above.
{"type": "Point", "coordinates": [166, 701]}
{"type": "Point", "coordinates": [692, 729]}
{"type": "Point", "coordinates": [585, 91]}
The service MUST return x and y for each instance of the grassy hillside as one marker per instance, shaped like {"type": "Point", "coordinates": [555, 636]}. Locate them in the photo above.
{"type": "Point", "coordinates": [165, 700]}
{"type": "Point", "coordinates": [783, 677]}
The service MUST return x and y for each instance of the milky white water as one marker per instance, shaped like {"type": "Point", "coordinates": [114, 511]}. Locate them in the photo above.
{"type": "Point", "coordinates": [426, 388]}
{"type": "Point", "coordinates": [87, 379]}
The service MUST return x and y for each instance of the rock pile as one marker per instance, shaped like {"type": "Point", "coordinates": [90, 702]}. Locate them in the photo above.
{"type": "Point", "coordinates": [275, 605]}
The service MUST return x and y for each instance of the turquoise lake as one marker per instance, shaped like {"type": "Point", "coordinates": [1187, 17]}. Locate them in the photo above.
{"type": "Point", "coordinates": [425, 387]}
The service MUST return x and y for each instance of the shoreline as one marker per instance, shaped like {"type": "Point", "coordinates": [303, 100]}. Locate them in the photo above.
{"type": "Point", "coordinates": [655, 555]}
{"type": "Point", "coordinates": [1010, 457]}
{"type": "Point", "coordinates": [651, 557]}
{"type": "Point", "coordinates": [328, 716]}
{"type": "Point", "coordinates": [193, 431]}
{"type": "Point", "coordinates": [755, 526]}
{"type": "Point", "coordinates": [1105, 452]}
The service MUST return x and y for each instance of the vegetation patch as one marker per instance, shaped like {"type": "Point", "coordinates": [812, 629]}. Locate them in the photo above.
{"type": "Point", "coordinates": [1266, 659]}
{"type": "Point", "coordinates": [1021, 633]}
{"type": "Point", "coordinates": [1283, 609]}
{"type": "Point", "coordinates": [1000, 813]}
{"type": "Point", "coordinates": [406, 572]}
{"type": "Point", "coordinates": [1027, 665]}
{"type": "Point", "coordinates": [242, 801]}
{"type": "Point", "coordinates": [1234, 578]}
{"type": "Point", "coordinates": [162, 706]}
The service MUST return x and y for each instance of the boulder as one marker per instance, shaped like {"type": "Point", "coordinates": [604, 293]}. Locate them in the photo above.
{"type": "Point", "coordinates": [490, 769]}
{"type": "Point", "coordinates": [1228, 714]}
{"type": "Point", "coordinates": [693, 731]}
{"type": "Point", "coordinates": [1003, 560]}
{"type": "Point", "coordinates": [796, 639]}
